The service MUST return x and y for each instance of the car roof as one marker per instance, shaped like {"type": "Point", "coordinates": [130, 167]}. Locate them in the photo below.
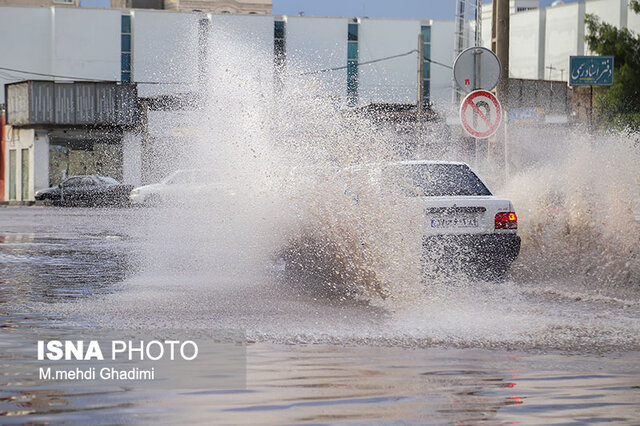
{"type": "Point", "coordinates": [431, 162]}
{"type": "Point", "coordinates": [407, 163]}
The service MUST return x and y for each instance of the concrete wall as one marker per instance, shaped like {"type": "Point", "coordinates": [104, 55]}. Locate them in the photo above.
{"type": "Point", "coordinates": [564, 36]}
{"type": "Point", "coordinates": [40, 162]}
{"type": "Point", "coordinates": [526, 47]}
{"type": "Point", "coordinates": [245, 43]}
{"type": "Point", "coordinates": [19, 139]}
{"type": "Point", "coordinates": [132, 158]}
{"type": "Point", "coordinates": [318, 43]}
{"type": "Point", "coordinates": [86, 43]}
{"type": "Point", "coordinates": [165, 50]}
{"type": "Point", "coordinates": [633, 20]}
{"type": "Point", "coordinates": [613, 12]}
{"type": "Point", "coordinates": [32, 49]}
{"type": "Point", "coordinates": [60, 41]}
{"type": "Point", "coordinates": [442, 51]}
{"type": "Point", "coordinates": [558, 34]}
{"type": "Point", "coordinates": [391, 81]}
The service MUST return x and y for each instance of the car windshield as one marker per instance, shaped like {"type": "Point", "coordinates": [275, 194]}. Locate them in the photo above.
{"type": "Point", "coordinates": [435, 180]}
{"type": "Point", "coordinates": [108, 180]}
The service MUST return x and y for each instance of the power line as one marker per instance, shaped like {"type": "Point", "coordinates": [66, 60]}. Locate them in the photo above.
{"type": "Point", "coordinates": [374, 61]}
{"type": "Point", "coordinates": [176, 82]}
{"type": "Point", "coordinates": [82, 78]}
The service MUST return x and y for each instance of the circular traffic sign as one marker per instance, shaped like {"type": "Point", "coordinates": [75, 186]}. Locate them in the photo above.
{"type": "Point", "coordinates": [480, 113]}
{"type": "Point", "coordinates": [477, 68]}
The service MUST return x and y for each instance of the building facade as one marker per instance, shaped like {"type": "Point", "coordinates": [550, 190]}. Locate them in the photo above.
{"type": "Point", "coordinates": [541, 40]}
{"type": "Point", "coordinates": [361, 61]}
{"type": "Point", "coordinates": [40, 3]}
{"type": "Point", "coordinates": [260, 7]}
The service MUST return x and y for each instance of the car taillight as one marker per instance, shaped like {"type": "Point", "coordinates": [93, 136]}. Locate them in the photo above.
{"type": "Point", "coordinates": [507, 220]}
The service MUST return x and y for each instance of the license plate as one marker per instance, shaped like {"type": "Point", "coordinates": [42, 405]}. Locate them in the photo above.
{"type": "Point", "coordinates": [454, 222]}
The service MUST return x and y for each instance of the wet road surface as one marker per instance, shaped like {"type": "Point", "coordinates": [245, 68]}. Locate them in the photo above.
{"type": "Point", "coordinates": [545, 352]}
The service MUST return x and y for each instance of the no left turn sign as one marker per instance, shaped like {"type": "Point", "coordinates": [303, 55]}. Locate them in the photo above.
{"type": "Point", "coordinates": [480, 113]}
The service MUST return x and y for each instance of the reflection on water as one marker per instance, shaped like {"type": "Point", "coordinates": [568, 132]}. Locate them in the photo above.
{"type": "Point", "coordinates": [317, 383]}
{"type": "Point", "coordinates": [52, 267]}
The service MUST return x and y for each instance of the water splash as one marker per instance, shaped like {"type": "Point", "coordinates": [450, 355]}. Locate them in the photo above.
{"type": "Point", "coordinates": [279, 150]}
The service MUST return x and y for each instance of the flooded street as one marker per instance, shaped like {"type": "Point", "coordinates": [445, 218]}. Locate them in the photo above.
{"type": "Point", "coordinates": [455, 351]}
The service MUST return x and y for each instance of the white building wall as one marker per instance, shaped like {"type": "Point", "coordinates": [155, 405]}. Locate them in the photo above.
{"type": "Point", "coordinates": [59, 41]}
{"type": "Point", "coordinates": [394, 80]}
{"type": "Point", "coordinates": [21, 48]}
{"type": "Point", "coordinates": [610, 11]}
{"type": "Point", "coordinates": [485, 31]}
{"type": "Point", "coordinates": [244, 43]}
{"type": "Point", "coordinates": [40, 164]}
{"type": "Point", "coordinates": [164, 49]}
{"type": "Point", "coordinates": [132, 158]}
{"type": "Point", "coordinates": [564, 36]}
{"type": "Point", "coordinates": [633, 20]}
{"type": "Point", "coordinates": [318, 43]}
{"type": "Point", "coordinates": [526, 47]}
{"type": "Point", "coordinates": [442, 51]}
{"type": "Point", "coordinates": [86, 43]}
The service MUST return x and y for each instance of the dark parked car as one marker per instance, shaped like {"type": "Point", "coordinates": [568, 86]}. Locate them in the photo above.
{"type": "Point", "coordinates": [91, 190]}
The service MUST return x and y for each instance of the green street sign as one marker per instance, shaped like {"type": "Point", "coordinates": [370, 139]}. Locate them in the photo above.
{"type": "Point", "coordinates": [590, 70]}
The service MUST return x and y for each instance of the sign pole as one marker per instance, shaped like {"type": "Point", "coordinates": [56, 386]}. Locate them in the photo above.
{"type": "Point", "coordinates": [506, 147]}
{"type": "Point", "coordinates": [590, 108]}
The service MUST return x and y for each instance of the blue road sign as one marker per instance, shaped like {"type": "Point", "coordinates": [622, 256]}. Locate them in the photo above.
{"type": "Point", "coordinates": [590, 70]}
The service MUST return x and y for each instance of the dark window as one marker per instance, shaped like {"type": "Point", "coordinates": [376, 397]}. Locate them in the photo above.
{"type": "Point", "coordinates": [108, 180]}
{"type": "Point", "coordinates": [426, 89]}
{"type": "Point", "coordinates": [426, 34]}
{"type": "Point", "coordinates": [352, 72]}
{"type": "Point", "coordinates": [426, 70]}
{"type": "Point", "coordinates": [426, 51]}
{"type": "Point", "coordinates": [126, 24]}
{"type": "Point", "coordinates": [352, 51]}
{"type": "Point", "coordinates": [278, 29]}
{"type": "Point", "coordinates": [125, 77]}
{"type": "Point", "coordinates": [126, 43]}
{"type": "Point", "coordinates": [352, 32]}
{"type": "Point", "coordinates": [278, 46]}
{"type": "Point", "coordinates": [435, 180]}
{"type": "Point", "coordinates": [125, 61]}
{"type": "Point", "coordinates": [426, 62]}
{"type": "Point", "coordinates": [72, 182]}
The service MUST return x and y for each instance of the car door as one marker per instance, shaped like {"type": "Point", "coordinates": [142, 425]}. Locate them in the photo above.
{"type": "Point", "coordinates": [70, 189]}
{"type": "Point", "coordinates": [87, 190]}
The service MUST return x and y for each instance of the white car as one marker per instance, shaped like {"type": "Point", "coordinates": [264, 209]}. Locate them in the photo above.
{"type": "Point", "coordinates": [465, 225]}
{"type": "Point", "coordinates": [176, 187]}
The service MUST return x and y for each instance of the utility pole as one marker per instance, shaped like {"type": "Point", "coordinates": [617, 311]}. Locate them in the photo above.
{"type": "Point", "coordinates": [500, 45]}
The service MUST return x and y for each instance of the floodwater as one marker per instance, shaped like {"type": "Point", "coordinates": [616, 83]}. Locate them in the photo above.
{"type": "Point", "coordinates": [536, 351]}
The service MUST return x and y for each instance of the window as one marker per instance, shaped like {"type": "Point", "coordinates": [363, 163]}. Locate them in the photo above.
{"type": "Point", "coordinates": [436, 180]}
{"type": "Point", "coordinates": [278, 43]}
{"type": "Point", "coordinates": [72, 182]}
{"type": "Point", "coordinates": [108, 180]}
{"type": "Point", "coordinates": [279, 52]}
{"type": "Point", "coordinates": [426, 63]}
{"type": "Point", "coordinates": [352, 64]}
{"type": "Point", "coordinates": [125, 49]}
